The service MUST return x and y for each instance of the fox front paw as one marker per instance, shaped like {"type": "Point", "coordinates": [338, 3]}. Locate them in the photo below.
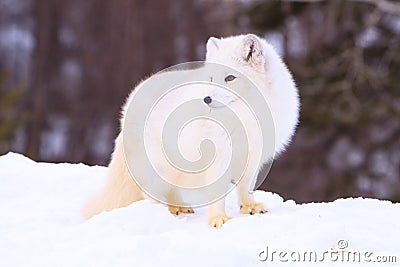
{"type": "Point", "coordinates": [252, 208]}
{"type": "Point", "coordinates": [218, 221]}
{"type": "Point", "coordinates": [177, 210]}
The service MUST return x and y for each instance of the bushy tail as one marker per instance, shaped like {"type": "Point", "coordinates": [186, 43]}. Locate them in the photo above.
{"type": "Point", "coordinates": [119, 191]}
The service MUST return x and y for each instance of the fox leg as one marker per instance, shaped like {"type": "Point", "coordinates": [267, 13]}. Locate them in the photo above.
{"type": "Point", "coordinates": [173, 196]}
{"type": "Point", "coordinates": [216, 214]}
{"type": "Point", "coordinates": [246, 200]}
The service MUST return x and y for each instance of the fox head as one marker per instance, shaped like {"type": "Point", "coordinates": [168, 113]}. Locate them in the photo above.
{"type": "Point", "coordinates": [242, 55]}
{"type": "Point", "coordinates": [249, 54]}
{"type": "Point", "coordinates": [253, 57]}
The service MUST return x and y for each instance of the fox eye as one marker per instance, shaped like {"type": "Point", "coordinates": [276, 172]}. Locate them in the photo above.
{"type": "Point", "coordinates": [230, 78]}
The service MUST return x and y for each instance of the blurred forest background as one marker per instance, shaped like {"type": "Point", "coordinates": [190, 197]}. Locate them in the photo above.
{"type": "Point", "coordinates": [67, 66]}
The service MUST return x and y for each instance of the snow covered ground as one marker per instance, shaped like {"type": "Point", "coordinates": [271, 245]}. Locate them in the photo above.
{"type": "Point", "coordinates": [40, 225]}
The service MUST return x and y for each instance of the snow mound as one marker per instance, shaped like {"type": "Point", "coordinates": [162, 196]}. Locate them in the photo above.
{"type": "Point", "coordinates": [40, 225]}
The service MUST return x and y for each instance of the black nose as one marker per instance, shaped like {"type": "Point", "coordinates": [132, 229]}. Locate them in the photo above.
{"type": "Point", "coordinates": [207, 100]}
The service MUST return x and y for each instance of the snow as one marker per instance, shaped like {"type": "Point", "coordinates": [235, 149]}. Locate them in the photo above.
{"type": "Point", "coordinates": [40, 225]}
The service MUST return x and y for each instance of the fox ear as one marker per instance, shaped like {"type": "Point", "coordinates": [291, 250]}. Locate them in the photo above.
{"type": "Point", "coordinates": [212, 45]}
{"type": "Point", "coordinates": [252, 50]}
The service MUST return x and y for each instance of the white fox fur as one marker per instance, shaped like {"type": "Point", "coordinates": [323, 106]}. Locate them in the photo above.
{"type": "Point", "coordinates": [255, 58]}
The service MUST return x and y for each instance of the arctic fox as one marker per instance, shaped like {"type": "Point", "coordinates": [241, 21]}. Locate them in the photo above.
{"type": "Point", "coordinates": [251, 56]}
